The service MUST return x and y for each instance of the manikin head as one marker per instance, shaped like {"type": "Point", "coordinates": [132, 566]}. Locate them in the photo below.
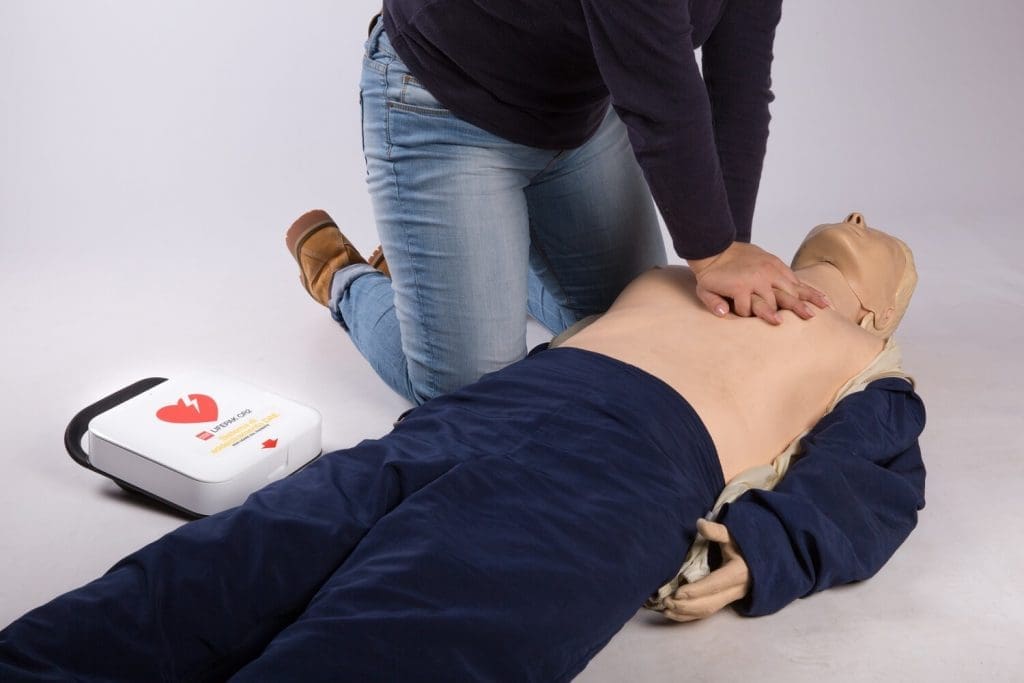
{"type": "Point", "coordinates": [878, 267]}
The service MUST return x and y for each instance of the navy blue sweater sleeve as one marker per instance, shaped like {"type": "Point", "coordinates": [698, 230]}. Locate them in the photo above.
{"type": "Point", "coordinates": [645, 53]}
{"type": "Point", "coordinates": [736, 61]}
{"type": "Point", "coordinates": [844, 506]}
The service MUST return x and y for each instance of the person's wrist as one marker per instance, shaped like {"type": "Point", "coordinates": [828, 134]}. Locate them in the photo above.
{"type": "Point", "coordinates": [698, 265]}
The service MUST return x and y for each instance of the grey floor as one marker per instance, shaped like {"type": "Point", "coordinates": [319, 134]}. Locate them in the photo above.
{"type": "Point", "coordinates": [151, 158]}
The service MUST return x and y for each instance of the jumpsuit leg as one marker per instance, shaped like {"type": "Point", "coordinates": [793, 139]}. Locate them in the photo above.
{"type": "Point", "coordinates": [517, 566]}
{"type": "Point", "coordinates": [503, 532]}
{"type": "Point", "coordinates": [208, 597]}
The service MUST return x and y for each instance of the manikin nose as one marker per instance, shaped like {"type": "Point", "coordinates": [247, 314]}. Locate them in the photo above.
{"type": "Point", "coordinates": [857, 221]}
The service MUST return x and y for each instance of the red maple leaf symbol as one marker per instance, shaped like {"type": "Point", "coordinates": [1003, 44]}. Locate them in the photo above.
{"type": "Point", "coordinates": [270, 443]}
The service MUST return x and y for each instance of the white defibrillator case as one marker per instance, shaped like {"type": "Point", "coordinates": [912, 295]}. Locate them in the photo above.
{"type": "Point", "coordinates": [200, 443]}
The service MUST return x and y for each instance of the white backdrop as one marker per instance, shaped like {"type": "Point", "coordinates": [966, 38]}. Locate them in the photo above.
{"type": "Point", "coordinates": [152, 155]}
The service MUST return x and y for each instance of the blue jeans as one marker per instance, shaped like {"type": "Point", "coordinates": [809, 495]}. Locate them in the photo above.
{"type": "Point", "coordinates": [479, 231]}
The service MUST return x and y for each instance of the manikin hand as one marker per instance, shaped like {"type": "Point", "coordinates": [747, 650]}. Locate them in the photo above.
{"type": "Point", "coordinates": [728, 583]}
{"type": "Point", "coordinates": [757, 282]}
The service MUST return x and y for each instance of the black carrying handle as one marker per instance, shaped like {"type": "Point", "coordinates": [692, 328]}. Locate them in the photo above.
{"type": "Point", "coordinates": [79, 424]}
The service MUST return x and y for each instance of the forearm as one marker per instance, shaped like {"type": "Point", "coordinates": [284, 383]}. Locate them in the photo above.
{"type": "Point", "coordinates": [736, 61]}
{"type": "Point", "coordinates": [657, 91]}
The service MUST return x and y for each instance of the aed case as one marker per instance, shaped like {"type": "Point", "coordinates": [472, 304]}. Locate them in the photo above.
{"type": "Point", "coordinates": [199, 443]}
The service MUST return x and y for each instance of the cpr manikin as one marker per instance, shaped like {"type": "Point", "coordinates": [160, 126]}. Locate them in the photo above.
{"type": "Point", "coordinates": [508, 530]}
{"type": "Point", "coordinates": [659, 325]}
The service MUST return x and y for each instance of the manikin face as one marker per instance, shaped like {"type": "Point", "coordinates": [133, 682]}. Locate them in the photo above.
{"type": "Point", "coordinates": [879, 268]}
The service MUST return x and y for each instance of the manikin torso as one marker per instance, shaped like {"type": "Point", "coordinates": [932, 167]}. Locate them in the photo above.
{"type": "Point", "coordinates": [755, 386]}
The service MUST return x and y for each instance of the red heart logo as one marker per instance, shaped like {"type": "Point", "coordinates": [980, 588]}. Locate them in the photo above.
{"type": "Point", "coordinates": [198, 408]}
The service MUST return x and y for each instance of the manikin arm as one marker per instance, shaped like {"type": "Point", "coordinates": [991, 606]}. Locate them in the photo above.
{"type": "Point", "coordinates": [837, 516]}
{"type": "Point", "coordinates": [725, 585]}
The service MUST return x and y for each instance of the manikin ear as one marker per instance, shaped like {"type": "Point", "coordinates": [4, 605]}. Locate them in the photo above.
{"type": "Point", "coordinates": [887, 316]}
{"type": "Point", "coordinates": [868, 322]}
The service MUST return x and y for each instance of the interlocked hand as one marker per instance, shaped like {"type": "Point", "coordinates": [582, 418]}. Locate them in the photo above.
{"type": "Point", "coordinates": [758, 283]}
{"type": "Point", "coordinates": [728, 583]}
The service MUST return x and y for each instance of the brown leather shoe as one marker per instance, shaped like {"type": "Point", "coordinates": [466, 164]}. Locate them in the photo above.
{"type": "Point", "coordinates": [320, 250]}
{"type": "Point", "coordinates": [378, 261]}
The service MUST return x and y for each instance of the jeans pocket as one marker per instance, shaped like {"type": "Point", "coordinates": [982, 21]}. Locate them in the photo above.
{"type": "Point", "coordinates": [415, 97]}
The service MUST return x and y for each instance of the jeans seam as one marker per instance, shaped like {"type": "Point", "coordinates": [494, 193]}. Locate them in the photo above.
{"type": "Point", "coordinates": [387, 117]}
{"type": "Point", "coordinates": [557, 155]}
{"type": "Point", "coordinates": [362, 130]}
{"type": "Point", "coordinates": [431, 383]}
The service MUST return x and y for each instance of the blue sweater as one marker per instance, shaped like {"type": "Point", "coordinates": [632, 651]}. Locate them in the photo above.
{"type": "Point", "coordinates": [541, 73]}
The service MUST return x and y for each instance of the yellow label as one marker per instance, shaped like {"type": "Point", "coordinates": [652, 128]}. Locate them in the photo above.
{"type": "Point", "coordinates": [242, 432]}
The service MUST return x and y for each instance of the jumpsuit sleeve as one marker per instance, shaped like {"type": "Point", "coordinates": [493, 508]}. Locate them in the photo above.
{"type": "Point", "coordinates": [737, 60]}
{"type": "Point", "coordinates": [845, 505]}
{"type": "Point", "coordinates": [644, 50]}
